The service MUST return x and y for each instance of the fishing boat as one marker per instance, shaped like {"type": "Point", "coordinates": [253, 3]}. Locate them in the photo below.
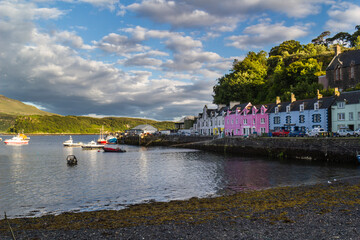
{"type": "Point", "coordinates": [92, 145]}
{"type": "Point", "coordinates": [101, 139]}
{"type": "Point", "coordinates": [17, 140]}
{"type": "Point", "coordinates": [113, 148]}
{"type": "Point", "coordinates": [111, 139]}
{"type": "Point", "coordinates": [71, 143]}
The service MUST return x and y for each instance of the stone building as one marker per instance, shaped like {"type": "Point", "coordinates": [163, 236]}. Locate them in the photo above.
{"type": "Point", "coordinates": [343, 71]}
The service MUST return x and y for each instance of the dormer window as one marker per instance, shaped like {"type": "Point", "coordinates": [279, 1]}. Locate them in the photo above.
{"type": "Point", "coordinates": [245, 113]}
{"type": "Point", "coordinates": [316, 106]}
{"type": "Point", "coordinates": [276, 109]}
{"type": "Point", "coordinates": [301, 107]}
{"type": "Point", "coordinates": [352, 70]}
{"type": "Point", "coordinates": [254, 111]}
{"type": "Point", "coordinates": [262, 110]}
{"type": "Point", "coordinates": [341, 104]}
{"type": "Point", "coordinates": [288, 108]}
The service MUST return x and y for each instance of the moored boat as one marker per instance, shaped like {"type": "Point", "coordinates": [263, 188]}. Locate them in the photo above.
{"type": "Point", "coordinates": [111, 139]}
{"type": "Point", "coordinates": [71, 143]}
{"type": "Point", "coordinates": [92, 145]}
{"type": "Point", "coordinates": [113, 148]}
{"type": "Point", "coordinates": [17, 140]}
{"type": "Point", "coordinates": [101, 139]}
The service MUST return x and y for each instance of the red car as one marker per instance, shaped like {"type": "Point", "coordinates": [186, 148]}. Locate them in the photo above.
{"type": "Point", "coordinates": [280, 133]}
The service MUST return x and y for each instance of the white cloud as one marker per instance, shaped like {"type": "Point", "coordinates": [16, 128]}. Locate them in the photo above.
{"type": "Point", "coordinates": [54, 75]}
{"type": "Point", "coordinates": [343, 17]}
{"type": "Point", "coordinates": [258, 36]}
{"type": "Point", "coordinates": [178, 14]}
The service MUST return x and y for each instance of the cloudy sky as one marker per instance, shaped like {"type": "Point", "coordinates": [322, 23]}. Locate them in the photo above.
{"type": "Point", "coordinates": [157, 59]}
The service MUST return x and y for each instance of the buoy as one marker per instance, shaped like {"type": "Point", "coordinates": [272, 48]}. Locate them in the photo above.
{"type": "Point", "coordinates": [71, 160]}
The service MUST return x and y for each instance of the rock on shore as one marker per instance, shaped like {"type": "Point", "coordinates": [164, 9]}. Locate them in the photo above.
{"type": "Point", "coordinates": [323, 211]}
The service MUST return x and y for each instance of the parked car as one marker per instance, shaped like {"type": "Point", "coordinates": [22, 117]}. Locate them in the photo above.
{"type": "Point", "coordinates": [280, 133]}
{"type": "Point", "coordinates": [344, 132]}
{"type": "Point", "coordinates": [297, 133]}
{"type": "Point", "coordinates": [357, 132]}
{"type": "Point", "coordinates": [316, 132]}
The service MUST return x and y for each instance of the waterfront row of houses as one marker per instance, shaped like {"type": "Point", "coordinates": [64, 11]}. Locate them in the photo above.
{"type": "Point", "coordinates": [239, 119]}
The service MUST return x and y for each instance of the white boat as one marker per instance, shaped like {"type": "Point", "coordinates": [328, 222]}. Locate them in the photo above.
{"type": "Point", "coordinates": [92, 145]}
{"type": "Point", "coordinates": [71, 143]}
{"type": "Point", "coordinates": [17, 140]}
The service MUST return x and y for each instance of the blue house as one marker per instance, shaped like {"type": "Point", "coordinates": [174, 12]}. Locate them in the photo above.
{"type": "Point", "coordinates": [302, 114]}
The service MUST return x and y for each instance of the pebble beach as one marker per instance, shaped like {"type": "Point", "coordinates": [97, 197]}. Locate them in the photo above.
{"type": "Point", "coordinates": [330, 210]}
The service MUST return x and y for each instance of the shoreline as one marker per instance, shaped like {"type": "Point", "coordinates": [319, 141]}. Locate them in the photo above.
{"type": "Point", "coordinates": [326, 210]}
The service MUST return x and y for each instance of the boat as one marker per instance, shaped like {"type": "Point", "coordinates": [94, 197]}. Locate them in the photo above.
{"type": "Point", "coordinates": [111, 139]}
{"type": "Point", "coordinates": [17, 140]}
{"type": "Point", "coordinates": [101, 139]}
{"type": "Point", "coordinates": [92, 145]}
{"type": "Point", "coordinates": [71, 143]}
{"type": "Point", "coordinates": [113, 148]}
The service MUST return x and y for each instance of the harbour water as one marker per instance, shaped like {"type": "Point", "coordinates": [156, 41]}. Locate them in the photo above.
{"type": "Point", "coordinates": [35, 179]}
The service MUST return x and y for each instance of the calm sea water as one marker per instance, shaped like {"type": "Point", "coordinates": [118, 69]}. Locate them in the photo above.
{"type": "Point", "coordinates": [35, 179]}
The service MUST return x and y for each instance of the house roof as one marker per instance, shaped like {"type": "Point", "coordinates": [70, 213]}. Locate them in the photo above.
{"type": "Point", "coordinates": [324, 103]}
{"type": "Point", "coordinates": [352, 97]}
{"type": "Point", "coordinates": [345, 59]}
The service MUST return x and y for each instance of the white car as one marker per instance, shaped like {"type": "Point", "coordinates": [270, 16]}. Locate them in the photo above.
{"type": "Point", "coordinates": [316, 132]}
{"type": "Point", "coordinates": [357, 132]}
{"type": "Point", "coordinates": [344, 132]}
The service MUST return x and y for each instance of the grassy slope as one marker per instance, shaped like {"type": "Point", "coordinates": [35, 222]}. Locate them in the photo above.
{"type": "Point", "coordinates": [79, 124]}
{"type": "Point", "coordinates": [14, 107]}
{"type": "Point", "coordinates": [16, 116]}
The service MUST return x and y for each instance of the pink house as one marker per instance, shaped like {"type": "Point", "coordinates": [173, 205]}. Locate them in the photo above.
{"type": "Point", "coordinates": [245, 119]}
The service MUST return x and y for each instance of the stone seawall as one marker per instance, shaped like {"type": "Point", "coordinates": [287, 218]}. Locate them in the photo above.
{"type": "Point", "coordinates": [340, 150]}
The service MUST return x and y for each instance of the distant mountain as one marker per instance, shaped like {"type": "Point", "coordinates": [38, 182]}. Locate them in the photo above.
{"type": "Point", "coordinates": [10, 106]}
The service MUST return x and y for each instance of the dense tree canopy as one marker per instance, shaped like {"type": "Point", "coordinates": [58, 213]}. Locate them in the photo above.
{"type": "Point", "coordinates": [289, 68]}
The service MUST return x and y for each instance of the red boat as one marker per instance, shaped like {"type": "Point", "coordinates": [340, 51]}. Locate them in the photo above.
{"type": "Point", "coordinates": [113, 149]}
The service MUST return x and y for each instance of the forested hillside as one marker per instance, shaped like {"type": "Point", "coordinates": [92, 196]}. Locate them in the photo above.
{"type": "Point", "coordinates": [288, 68]}
{"type": "Point", "coordinates": [78, 124]}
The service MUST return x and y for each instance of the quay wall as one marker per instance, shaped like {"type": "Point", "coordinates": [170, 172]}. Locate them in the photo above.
{"type": "Point", "coordinates": [324, 149]}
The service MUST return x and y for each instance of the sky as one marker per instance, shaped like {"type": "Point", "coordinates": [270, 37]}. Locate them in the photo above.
{"type": "Point", "coordinates": [154, 59]}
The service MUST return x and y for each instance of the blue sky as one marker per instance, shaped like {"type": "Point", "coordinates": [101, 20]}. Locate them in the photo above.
{"type": "Point", "coordinates": [149, 58]}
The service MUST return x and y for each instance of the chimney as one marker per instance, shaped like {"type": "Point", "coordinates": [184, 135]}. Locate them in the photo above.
{"type": "Point", "coordinates": [293, 99]}
{"type": "Point", "coordinates": [336, 91]}
{"type": "Point", "coordinates": [278, 101]}
{"type": "Point", "coordinates": [337, 49]}
{"type": "Point", "coordinates": [319, 95]}
{"type": "Point", "coordinates": [233, 103]}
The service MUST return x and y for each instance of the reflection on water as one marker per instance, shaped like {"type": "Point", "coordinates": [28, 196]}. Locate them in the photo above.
{"type": "Point", "coordinates": [35, 179]}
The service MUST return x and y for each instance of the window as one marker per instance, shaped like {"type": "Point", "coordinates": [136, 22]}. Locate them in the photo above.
{"type": "Point", "coordinates": [262, 130]}
{"type": "Point", "coordinates": [316, 118]}
{"type": "Point", "coordinates": [236, 121]}
{"type": "Point", "coordinates": [351, 116]}
{"type": "Point", "coordinates": [254, 121]}
{"type": "Point", "coordinates": [341, 116]}
{"type": "Point", "coordinates": [288, 109]}
{"type": "Point", "coordinates": [301, 118]}
{"type": "Point", "coordinates": [262, 120]}
{"type": "Point", "coordinates": [276, 120]}
{"type": "Point", "coordinates": [254, 111]}
{"type": "Point", "coordinates": [262, 111]}
{"type": "Point", "coordinates": [316, 106]}
{"type": "Point", "coordinates": [245, 121]}
{"type": "Point", "coordinates": [232, 121]}
{"type": "Point", "coordinates": [301, 107]}
{"type": "Point", "coordinates": [358, 115]}
{"type": "Point", "coordinates": [288, 119]}
{"type": "Point", "coordinates": [276, 109]}
{"type": "Point", "coordinates": [227, 121]}
{"type": "Point", "coordinates": [244, 112]}
{"type": "Point", "coordinates": [341, 104]}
